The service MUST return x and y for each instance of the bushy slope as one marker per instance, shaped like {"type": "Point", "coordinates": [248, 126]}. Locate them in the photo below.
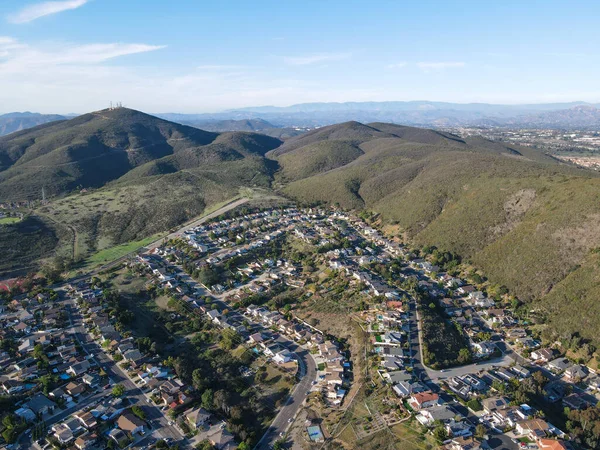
{"type": "Point", "coordinates": [529, 222]}
{"type": "Point", "coordinates": [316, 158]}
{"type": "Point", "coordinates": [88, 151]}
{"type": "Point", "coordinates": [25, 242]}
{"type": "Point", "coordinates": [353, 132]}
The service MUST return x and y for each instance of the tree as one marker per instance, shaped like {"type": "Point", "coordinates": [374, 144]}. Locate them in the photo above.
{"type": "Point", "coordinates": [474, 404]}
{"type": "Point", "coordinates": [138, 412]}
{"type": "Point", "coordinates": [207, 399]}
{"type": "Point", "coordinates": [464, 355]}
{"type": "Point", "coordinates": [118, 390]}
{"type": "Point", "coordinates": [480, 431]}
{"type": "Point", "coordinates": [221, 400]}
{"type": "Point", "coordinates": [440, 434]}
{"type": "Point", "coordinates": [38, 351]}
{"type": "Point", "coordinates": [198, 379]}
{"type": "Point", "coordinates": [229, 339]}
{"type": "Point", "coordinates": [205, 445]}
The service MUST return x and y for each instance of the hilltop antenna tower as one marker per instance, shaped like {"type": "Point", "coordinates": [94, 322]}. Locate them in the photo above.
{"type": "Point", "coordinates": [43, 195]}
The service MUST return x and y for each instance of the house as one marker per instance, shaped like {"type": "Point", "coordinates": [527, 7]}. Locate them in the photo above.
{"type": "Point", "coordinates": [125, 346]}
{"type": "Point", "coordinates": [75, 389]}
{"type": "Point", "coordinates": [256, 338]}
{"type": "Point", "coordinates": [551, 444]}
{"type": "Point", "coordinates": [575, 373]}
{"type": "Point", "coordinates": [505, 374]}
{"type": "Point", "coordinates": [533, 428]}
{"type": "Point", "coordinates": [119, 437]}
{"type": "Point", "coordinates": [559, 365]}
{"type": "Point", "coordinates": [26, 346]}
{"type": "Point", "coordinates": [62, 433]}
{"type": "Point", "coordinates": [521, 371]}
{"type": "Point", "coordinates": [484, 348]}
{"type": "Point", "coordinates": [79, 368]}
{"type": "Point", "coordinates": [443, 413]}
{"type": "Point", "coordinates": [456, 429]}
{"type": "Point", "coordinates": [467, 443]}
{"type": "Point", "coordinates": [132, 355]}
{"type": "Point", "coordinates": [26, 414]}
{"type": "Point", "coordinates": [527, 342]}
{"type": "Point", "coordinates": [494, 403]}
{"type": "Point", "coordinates": [86, 441]}
{"type": "Point", "coordinates": [92, 380]}
{"type": "Point", "coordinates": [424, 400]}
{"type": "Point", "coordinates": [130, 423]}
{"type": "Point", "coordinates": [197, 417]}
{"type": "Point", "coordinates": [542, 354]}
{"type": "Point", "coordinates": [41, 405]}
{"type": "Point", "coordinates": [474, 382]}
{"type": "Point", "coordinates": [59, 393]}
{"type": "Point", "coordinates": [222, 439]}
{"type": "Point", "coordinates": [282, 357]}
{"type": "Point", "coordinates": [576, 401]}
{"type": "Point", "coordinates": [397, 376]}
{"type": "Point", "coordinates": [12, 386]}
{"type": "Point", "coordinates": [87, 419]}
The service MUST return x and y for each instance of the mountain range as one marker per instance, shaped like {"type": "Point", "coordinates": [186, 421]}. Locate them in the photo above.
{"type": "Point", "coordinates": [286, 122]}
{"type": "Point", "coordinates": [418, 113]}
{"type": "Point", "coordinates": [526, 220]}
{"type": "Point", "coordinates": [11, 122]}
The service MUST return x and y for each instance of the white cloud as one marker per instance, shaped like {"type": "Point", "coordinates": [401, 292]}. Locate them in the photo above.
{"type": "Point", "coordinates": [16, 57]}
{"type": "Point", "coordinates": [398, 65]}
{"type": "Point", "coordinates": [37, 10]}
{"type": "Point", "coordinates": [219, 67]}
{"type": "Point", "coordinates": [315, 58]}
{"type": "Point", "coordinates": [429, 66]}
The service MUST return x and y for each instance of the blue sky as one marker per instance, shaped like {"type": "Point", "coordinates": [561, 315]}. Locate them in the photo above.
{"type": "Point", "coordinates": [205, 56]}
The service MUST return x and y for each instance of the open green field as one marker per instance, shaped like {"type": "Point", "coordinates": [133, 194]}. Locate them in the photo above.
{"type": "Point", "coordinates": [118, 251]}
{"type": "Point", "coordinates": [9, 220]}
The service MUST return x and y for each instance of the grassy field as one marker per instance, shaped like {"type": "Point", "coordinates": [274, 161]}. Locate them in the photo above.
{"type": "Point", "coordinates": [9, 220]}
{"type": "Point", "coordinates": [116, 252]}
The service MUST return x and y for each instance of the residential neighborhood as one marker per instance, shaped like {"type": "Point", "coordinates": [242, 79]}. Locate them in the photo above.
{"type": "Point", "coordinates": [82, 375]}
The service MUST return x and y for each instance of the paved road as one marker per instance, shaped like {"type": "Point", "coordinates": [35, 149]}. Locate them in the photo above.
{"type": "Point", "coordinates": [160, 425]}
{"type": "Point", "coordinates": [307, 373]}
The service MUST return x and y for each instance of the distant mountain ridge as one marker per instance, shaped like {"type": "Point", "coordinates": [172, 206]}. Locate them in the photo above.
{"type": "Point", "coordinates": [413, 106]}
{"type": "Point", "coordinates": [414, 113]}
{"type": "Point", "coordinates": [17, 121]}
{"type": "Point", "coordinates": [580, 116]}
{"type": "Point", "coordinates": [286, 122]}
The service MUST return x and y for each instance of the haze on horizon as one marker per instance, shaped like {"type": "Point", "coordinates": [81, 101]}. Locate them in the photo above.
{"type": "Point", "coordinates": [74, 56]}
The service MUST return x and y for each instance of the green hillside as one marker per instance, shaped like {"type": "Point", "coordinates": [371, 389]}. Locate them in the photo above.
{"type": "Point", "coordinates": [526, 220]}
{"type": "Point", "coordinates": [88, 151]}
{"type": "Point", "coordinates": [120, 175]}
